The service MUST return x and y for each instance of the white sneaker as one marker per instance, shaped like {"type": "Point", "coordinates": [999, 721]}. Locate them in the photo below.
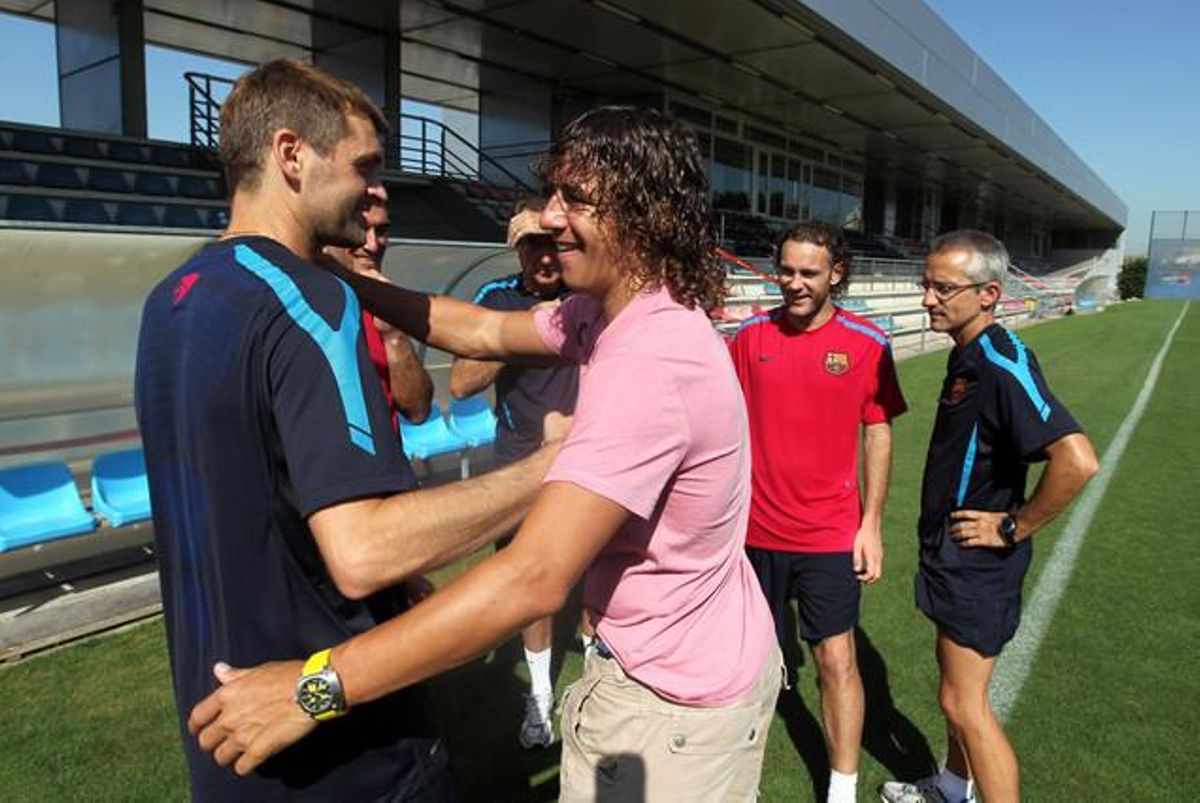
{"type": "Point", "coordinates": [537, 729]}
{"type": "Point", "coordinates": [923, 791]}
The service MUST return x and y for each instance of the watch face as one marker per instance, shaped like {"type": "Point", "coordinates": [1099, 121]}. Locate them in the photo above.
{"type": "Point", "coordinates": [316, 695]}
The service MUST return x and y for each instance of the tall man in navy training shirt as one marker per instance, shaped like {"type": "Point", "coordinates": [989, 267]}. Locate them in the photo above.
{"type": "Point", "coordinates": [274, 471]}
{"type": "Point", "coordinates": [995, 416]}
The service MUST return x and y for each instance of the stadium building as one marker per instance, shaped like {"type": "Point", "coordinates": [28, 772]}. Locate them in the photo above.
{"type": "Point", "coordinates": [870, 114]}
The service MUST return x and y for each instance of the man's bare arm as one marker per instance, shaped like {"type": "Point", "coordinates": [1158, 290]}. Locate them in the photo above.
{"type": "Point", "coordinates": [468, 377]}
{"type": "Point", "coordinates": [412, 389]}
{"type": "Point", "coordinates": [371, 544]}
{"type": "Point", "coordinates": [254, 715]}
{"type": "Point", "coordinates": [877, 468]}
{"type": "Point", "coordinates": [1070, 463]}
{"type": "Point", "coordinates": [467, 330]}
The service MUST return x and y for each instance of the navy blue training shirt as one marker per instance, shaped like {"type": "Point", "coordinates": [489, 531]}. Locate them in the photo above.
{"type": "Point", "coordinates": [525, 393]}
{"type": "Point", "coordinates": [258, 406]}
{"type": "Point", "coordinates": [995, 416]}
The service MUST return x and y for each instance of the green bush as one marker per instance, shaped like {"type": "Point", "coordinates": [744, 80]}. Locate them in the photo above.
{"type": "Point", "coordinates": [1131, 282]}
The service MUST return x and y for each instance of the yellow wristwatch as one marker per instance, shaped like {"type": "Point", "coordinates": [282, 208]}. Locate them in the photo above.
{"type": "Point", "coordinates": [319, 689]}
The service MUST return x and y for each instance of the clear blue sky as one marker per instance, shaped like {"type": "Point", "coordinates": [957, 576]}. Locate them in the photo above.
{"type": "Point", "coordinates": [1118, 81]}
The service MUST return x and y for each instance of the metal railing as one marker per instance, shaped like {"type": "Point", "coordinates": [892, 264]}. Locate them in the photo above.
{"type": "Point", "coordinates": [425, 146]}
{"type": "Point", "coordinates": [437, 150]}
{"type": "Point", "coordinates": [206, 93]}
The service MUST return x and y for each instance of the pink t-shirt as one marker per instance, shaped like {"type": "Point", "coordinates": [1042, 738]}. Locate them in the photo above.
{"type": "Point", "coordinates": [660, 429]}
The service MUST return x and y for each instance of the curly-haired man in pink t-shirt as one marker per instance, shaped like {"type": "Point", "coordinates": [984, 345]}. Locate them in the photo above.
{"type": "Point", "coordinates": [647, 500]}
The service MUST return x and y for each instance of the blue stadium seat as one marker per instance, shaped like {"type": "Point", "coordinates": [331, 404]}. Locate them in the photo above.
{"type": "Point", "coordinates": [59, 176]}
{"type": "Point", "coordinates": [183, 217]}
{"type": "Point", "coordinates": [86, 211]}
{"type": "Point", "coordinates": [34, 142]}
{"type": "Point", "coordinates": [430, 439]}
{"type": "Point", "coordinates": [126, 152]}
{"type": "Point", "coordinates": [131, 214]}
{"type": "Point", "coordinates": [105, 179]}
{"type": "Point", "coordinates": [13, 172]}
{"type": "Point", "coordinates": [120, 490]}
{"type": "Point", "coordinates": [858, 305]}
{"type": "Point", "coordinates": [82, 148]}
{"type": "Point", "coordinates": [198, 187]}
{"type": "Point", "coordinates": [30, 207]}
{"type": "Point", "coordinates": [152, 184]}
{"type": "Point", "coordinates": [472, 420]}
{"type": "Point", "coordinates": [38, 503]}
{"type": "Point", "coordinates": [169, 157]}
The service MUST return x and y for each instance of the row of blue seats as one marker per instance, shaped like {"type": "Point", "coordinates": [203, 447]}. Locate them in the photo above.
{"type": "Point", "coordinates": [124, 213]}
{"type": "Point", "coordinates": [56, 175]}
{"type": "Point", "coordinates": [40, 501]}
{"type": "Point", "coordinates": [94, 146]}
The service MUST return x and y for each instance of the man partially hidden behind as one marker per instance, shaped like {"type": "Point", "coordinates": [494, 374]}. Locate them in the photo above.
{"type": "Point", "coordinates": [525, 391]}
{"type": "Point", "coordinates": [405, 382]}
{"type": "Point", "coordinates": [271, 457]}
{"type": "Point", "coordinates": [995, 416]}
{"type": "Point", "coordinates": [815, 376]}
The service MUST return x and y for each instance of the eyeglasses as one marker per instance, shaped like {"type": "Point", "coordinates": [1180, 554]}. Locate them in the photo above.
{"type": "Point", "coordinates": [572, 198]}
{"type": "Point", "coordinates": [944, 291]}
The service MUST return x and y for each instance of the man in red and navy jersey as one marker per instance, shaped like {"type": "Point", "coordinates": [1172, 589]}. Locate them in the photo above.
{"type": "Point", "coordinates": [405, 382]}
{"type": "Point", "coordinates": [815, 376]}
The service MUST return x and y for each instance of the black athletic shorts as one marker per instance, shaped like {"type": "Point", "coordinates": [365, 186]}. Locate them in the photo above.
{"type": "Point", "coordinates": [982, 624]}
{"type": "Point", "coordinates": [824, 585]}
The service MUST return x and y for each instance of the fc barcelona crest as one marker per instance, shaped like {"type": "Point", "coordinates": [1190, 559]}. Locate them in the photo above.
{"type": "Point", "coordinates": [837, 362]}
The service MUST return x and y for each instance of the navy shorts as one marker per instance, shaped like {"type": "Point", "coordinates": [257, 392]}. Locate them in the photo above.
{"type": "Point", "coordinates": [824, 585]}
{"type": "Point", "coordinates": [982, 624]}
{"type": "Point", "coordinates": [973, 595]}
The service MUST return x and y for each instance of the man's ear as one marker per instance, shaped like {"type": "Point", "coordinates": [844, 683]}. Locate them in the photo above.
{"type": "Point", "coordinates": [287, 154]}
{"type": "Point", "coordinates": [989, 295]}
{"type": "Point", "coordinates": [839, 273]}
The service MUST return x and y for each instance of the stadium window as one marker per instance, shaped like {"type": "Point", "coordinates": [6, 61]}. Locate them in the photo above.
{"type": "Point", "coordinates": [731, 175]}
{"type": "Point", "coordinates": [726, 125]}
{"type": "Point", "coordinates": [691, 114]}
{"type": "Point", "coordinates": [28, 50]}
{"type": "Point", "coordinates": [764, 137]}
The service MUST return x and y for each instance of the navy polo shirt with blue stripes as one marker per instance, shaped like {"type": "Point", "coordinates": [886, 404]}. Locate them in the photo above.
{"type": "Point", "coordinates": [525, 393]}
{"type": "Point", "coordinates": [996, 415]}
{"type": "Point", "coordinates": [258, 406]}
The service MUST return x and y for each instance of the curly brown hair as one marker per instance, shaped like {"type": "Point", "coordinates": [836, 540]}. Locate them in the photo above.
{"type": "Point", "coordinates": [825, 236]}
{"type": "Point", "coordinates": [643, 173]}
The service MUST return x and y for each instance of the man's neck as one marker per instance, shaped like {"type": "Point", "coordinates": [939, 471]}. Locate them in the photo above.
{"type": "Point", "coordinates": [254, 214]}
{"type": "Point", "coordinates": [814, 321]}
{"type": "Point", "coordinates": [972, 328]}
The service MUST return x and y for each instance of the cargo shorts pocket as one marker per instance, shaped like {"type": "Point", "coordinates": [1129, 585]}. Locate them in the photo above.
{"type": "Point", "coordinates": [717, 731]}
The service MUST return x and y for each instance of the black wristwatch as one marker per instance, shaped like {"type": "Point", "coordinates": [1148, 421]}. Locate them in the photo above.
{"type": "Point", "coordinates": [1008, 530]}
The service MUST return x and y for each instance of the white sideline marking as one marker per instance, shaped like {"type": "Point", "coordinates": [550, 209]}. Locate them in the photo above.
{"type": "Point", "coordinates": [1014, 663]}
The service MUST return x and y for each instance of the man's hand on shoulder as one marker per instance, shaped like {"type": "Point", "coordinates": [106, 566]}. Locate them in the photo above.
{"type": "Point", "coordinates": [251, 716]}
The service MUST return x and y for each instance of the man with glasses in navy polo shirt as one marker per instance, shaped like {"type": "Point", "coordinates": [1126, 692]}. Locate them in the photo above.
{"type": "Point", "coordinates": [996, 415]}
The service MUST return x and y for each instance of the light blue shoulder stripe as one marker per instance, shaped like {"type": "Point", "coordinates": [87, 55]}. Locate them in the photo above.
{"type": "Point", "coordinates": [496, 284]}
{"type": "Point", "coordinates": [338, 345]}
{"type": "Point", "coordinates": [754, 320]}
{"type": "Point", "coordinates": [1019, 369]}
{"type": "Point", "coordinates": [968, 464]}
{"type": "Point", "coordinates": [878, 337]}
